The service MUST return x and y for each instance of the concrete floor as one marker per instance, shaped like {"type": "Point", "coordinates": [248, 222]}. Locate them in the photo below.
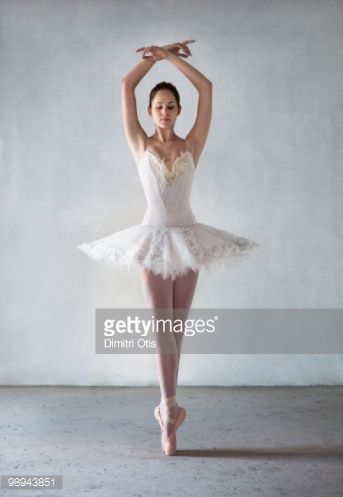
{"type": "Point", "coordinates": [255, 441]}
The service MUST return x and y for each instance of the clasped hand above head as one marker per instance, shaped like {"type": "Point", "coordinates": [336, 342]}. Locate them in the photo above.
{"type": "Point", "coordinates": [159, 53]}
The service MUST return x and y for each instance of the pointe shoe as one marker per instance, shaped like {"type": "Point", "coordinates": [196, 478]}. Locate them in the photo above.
{"type": "Point", "coordinates": [169, 444]}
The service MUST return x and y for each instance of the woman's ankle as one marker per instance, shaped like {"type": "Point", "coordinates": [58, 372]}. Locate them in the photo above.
{"type": "Point", "coordinates": [167, 403]}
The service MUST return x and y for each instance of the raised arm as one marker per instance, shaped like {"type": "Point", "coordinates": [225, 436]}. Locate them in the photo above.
{"type": "Point", "coordinates": [198, 134]}
{"type": "Point", "coordinates": [135, 134]}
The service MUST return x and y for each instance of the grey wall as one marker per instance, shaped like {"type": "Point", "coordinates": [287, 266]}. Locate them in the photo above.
{"type": "Point", "coordinates": [271, 170]}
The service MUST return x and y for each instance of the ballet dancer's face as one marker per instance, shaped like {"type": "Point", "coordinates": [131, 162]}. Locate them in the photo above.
{"type": "Point", "coordinates": [164, 109]}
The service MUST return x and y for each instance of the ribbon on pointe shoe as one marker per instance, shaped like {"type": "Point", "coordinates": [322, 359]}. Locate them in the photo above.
{"type": "Point", "coordinates": [166, 405]}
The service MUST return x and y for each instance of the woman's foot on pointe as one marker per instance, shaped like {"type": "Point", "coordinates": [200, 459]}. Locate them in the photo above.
{"type": "Point", "coordinates": [168, 415]}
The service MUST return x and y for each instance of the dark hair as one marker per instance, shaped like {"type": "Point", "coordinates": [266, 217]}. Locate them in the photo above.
{"type": "Point", "coordinates": [164, 86]}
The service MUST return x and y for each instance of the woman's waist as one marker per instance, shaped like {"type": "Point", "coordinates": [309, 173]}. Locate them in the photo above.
{"type": "Point", "coordinates": [182, 215]}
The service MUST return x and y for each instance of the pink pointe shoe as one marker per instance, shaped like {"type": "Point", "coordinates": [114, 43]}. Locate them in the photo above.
{"type": "Point", "coordinates": [169, 444]}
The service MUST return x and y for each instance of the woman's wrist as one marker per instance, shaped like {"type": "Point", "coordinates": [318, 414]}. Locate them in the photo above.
{"type": "Point", "coordinates": [170, 55]}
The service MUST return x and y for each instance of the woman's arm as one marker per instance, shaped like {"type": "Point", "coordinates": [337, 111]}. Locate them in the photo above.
{"type": "Point", "coordinates": [135, 135]}
{"type": "Point", "coordinates": [134, 76]}
{"type": "Point", "coordinates": [196, 77]}
{"type": "Point", "coordinates": [198, 134]}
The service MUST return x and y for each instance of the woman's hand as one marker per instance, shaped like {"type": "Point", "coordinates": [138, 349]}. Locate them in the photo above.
{"type": "Point", "coordinates": [159, 53]}
{"type": "Point", "coordinates": [175, 47]}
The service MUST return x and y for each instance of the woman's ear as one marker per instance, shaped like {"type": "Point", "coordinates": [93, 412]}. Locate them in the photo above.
{"type": "Point", "coordinates": [180, 108]}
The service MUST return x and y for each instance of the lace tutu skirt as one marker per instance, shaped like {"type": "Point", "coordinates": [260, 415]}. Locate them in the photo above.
{"type": "Point", "coordinates": [169, 251]}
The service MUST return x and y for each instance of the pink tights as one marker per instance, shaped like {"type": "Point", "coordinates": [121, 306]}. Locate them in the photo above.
{"type": "Point", "coordinates": [176, 296]}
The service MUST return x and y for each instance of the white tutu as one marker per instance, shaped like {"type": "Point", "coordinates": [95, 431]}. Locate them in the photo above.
{"type": "Point", "coordinates": [170, 252]}
{"type": "Point", "coordinates": [169, 241]}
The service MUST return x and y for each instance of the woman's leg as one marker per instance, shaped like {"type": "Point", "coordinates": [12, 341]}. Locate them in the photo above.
{"type": "Point", "coordinates": [158, 294]}
{"type": "Point", "coordinates": [183, 292]}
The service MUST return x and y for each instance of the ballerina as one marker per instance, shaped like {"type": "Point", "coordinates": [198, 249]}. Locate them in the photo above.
{"type": "Point", "coordinates": [169, 245]}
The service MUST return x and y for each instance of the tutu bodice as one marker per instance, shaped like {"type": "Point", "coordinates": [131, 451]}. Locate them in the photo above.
{"type": "Point", "coordinates": [167, 190]}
